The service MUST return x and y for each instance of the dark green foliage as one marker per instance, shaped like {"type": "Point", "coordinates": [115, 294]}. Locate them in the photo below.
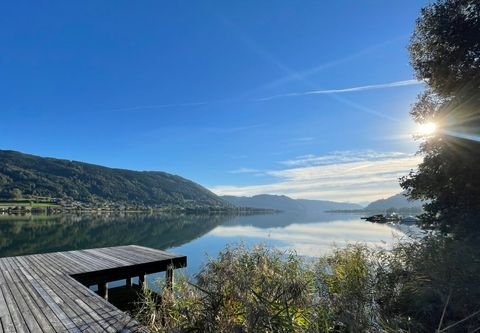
{"type": "Point", "coordinates": [63, 179]}
{"type": "Point", "coordinates": [445, 51]}
{"type": "Point", "coordinates": [425, 279]}
{"type": "Point", "coordinates": [445, 46]}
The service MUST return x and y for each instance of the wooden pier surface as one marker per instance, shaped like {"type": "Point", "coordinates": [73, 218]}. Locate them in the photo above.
{"type": "Point", "coordinates": [48, 293]}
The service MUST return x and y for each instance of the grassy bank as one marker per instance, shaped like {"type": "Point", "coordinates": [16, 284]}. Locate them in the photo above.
{"type": "Point", "coordinates": [425, 286]}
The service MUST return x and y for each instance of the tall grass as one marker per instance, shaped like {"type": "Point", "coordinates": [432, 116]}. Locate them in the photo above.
{"type": "Point", "coordinates": [355, 289]}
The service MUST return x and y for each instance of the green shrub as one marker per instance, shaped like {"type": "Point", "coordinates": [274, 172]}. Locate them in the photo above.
{"type": "Point", "coordinates": [436, 283]}
{"type": "Point", "coordinates": [423, 286]}
{"type": "Point", "coordinates": [264, 290]}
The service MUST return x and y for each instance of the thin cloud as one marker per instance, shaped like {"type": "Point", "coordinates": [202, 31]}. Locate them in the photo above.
{"type": "Point", "coordinates": [354, 181]}
{"type": "Point", "coordinates": [244, 170]}
{"type": "Point", "coordinates": [394, 84]}
{"type": "Point", "coordinates": [337, 157]}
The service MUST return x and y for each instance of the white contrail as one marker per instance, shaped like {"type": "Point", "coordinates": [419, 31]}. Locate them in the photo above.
{"type": "Point", "coordinates": [344, 90]}
{"type": "Point", "coordinates": [332, 92]}
{"type": "Point", "coordinates": [302, 75]}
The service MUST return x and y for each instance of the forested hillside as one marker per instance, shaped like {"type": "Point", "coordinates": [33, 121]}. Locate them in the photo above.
{"type": "Point", "coordinates": [23, 175]}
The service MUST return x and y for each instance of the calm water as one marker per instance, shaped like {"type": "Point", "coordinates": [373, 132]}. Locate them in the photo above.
{"type": "Point", "coordinates": [194, 236]}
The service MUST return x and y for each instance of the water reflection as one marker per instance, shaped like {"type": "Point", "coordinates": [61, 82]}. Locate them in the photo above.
{"type": "Point", "coordinates": [193, 235]}
{"type": "Point", "coordinates": [40, 234]}
{"type": "Point", "coordinates": [288, 218]}
{"type": "Point", "coordinates": [314, 239]}
{"type": "Point", "coordinates": [307, 235]}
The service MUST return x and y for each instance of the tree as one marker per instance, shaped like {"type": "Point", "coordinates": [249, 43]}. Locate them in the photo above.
{"type": "Point", "coordinates": [16, 194]}
{"type": "Point", "coordinates": [445, 53]}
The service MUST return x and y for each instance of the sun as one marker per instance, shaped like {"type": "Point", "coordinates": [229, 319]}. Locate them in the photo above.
{"type": "Point", "coordinates": [427, 129]}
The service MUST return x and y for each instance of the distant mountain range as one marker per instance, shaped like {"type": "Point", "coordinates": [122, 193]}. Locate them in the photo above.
{"type": "Point", "coordinates": [397, 201]}
{"type": "Point", "coordinates": [313, 207]}
{"type": "Point", "coordinates": [284, 203]}
{"type": "Point", "coordinates": [24, 175]}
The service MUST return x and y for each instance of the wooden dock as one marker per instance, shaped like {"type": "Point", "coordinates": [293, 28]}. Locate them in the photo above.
{"type": "Point", "coordinates": [49, 292]}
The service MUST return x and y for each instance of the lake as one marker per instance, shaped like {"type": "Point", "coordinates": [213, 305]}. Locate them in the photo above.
{"type": "Point", "coordinates": [194, 236]}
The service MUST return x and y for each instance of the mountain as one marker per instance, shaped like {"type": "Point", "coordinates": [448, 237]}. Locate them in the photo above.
{"type": "Point", "coordinates": [397, 201]}
{"type": "Point", "coordinates": [284, 203]}
{"type": "Point", "coordinates": [267, 201]}
{"type": "Point", "coordinates": [24, 175]}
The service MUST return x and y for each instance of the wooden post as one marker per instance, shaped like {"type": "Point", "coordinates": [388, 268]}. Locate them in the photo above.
{"type": "Point", "coordinates": [141, 280]}
{"type": "Point", "coordinates": [128, 282]}
{"type": "Point", "coordinates": [103, 290]}
{"type": "Point", "coordinates": [169, 277]}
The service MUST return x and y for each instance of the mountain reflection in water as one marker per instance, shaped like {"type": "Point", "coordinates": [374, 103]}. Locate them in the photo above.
{"type": "Point", "coordinates": [40, 234]}
{"type": "Point", "coordinates": [193, 235]}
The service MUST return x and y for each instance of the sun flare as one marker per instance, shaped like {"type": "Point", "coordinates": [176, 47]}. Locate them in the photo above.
{"type": "Point", "coordinates": [427, 129]}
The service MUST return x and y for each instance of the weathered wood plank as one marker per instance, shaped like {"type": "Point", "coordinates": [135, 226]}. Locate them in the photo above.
{"type": "Point", "coordinates": [15, 313]}
{"type": "Point", "coordinates": [40, 322]}
{"type": "Point", "coordinates": [97, 306]}
{"type": "Point", "coordinates": [7, 321]}
{"type": "Point", "coordinates": [154, 251]}
{"type": "Point", "coordinates": [87, 265]}
{"type": "Point", "coordinates": [62, 303]}
{"type": "Point", "coordinates": [68, 319]}
{"type": "Point", "coordinates": [99, 254]}
{"type": "Point", "coordinates": [61, 287]}
{"type": "Point", "coordinates": [117, 253]}
{"type": "Point", "coordinates": [40, 292]}
{"type": "Point", "coordinates": [37, 299]}
{"type": "Point", "coordinates": [143, 255]}
{"type": "Point", "coordinates": [101, 262]}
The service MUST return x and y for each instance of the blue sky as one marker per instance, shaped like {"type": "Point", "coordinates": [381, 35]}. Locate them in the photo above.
{"type": "Point", "coordinates": [308, 99]}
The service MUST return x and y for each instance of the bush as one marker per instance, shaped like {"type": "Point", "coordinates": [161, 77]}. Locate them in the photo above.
{"type": "Point", "coordinates": [437, 285]}
{"type": "Point", "coordinates": [423, 286]}
{"type": "Point", "coordinates": [264, 290]}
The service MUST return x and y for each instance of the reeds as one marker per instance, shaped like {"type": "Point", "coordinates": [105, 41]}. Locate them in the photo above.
{"type": "Point", "coordinates": [354, 289]}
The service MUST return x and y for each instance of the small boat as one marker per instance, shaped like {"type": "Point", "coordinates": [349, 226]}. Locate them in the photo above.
{"type": "Point", "coordinates": [379, 218]}
{"type": "Point", "coordinates": [409, 220]}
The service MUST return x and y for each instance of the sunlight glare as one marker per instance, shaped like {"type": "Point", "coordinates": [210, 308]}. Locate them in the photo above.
{"type": "Point", "coordinates": [427, 129]}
